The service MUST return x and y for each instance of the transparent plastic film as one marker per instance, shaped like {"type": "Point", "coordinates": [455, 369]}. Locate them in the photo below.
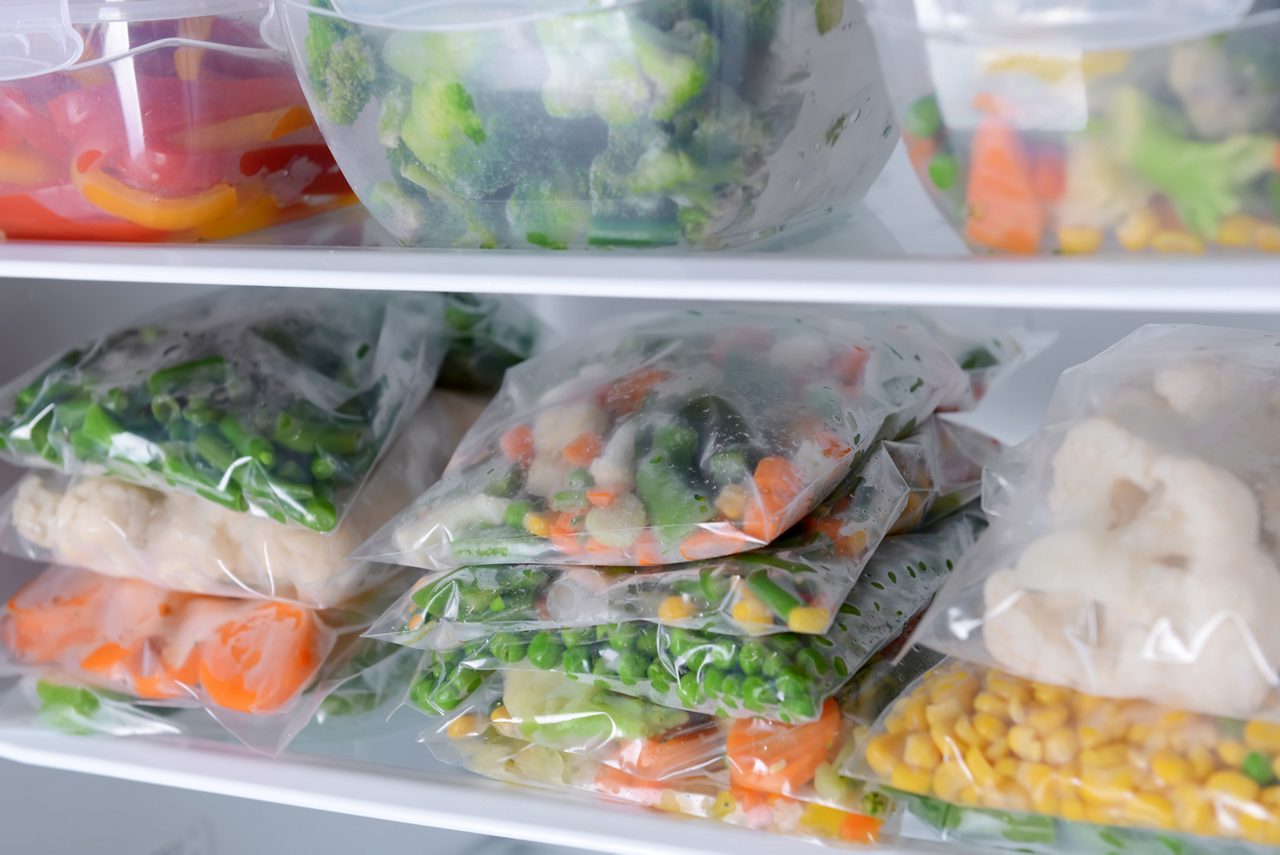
{"type": "Point", "coordinates": [1134, 554]}
{"type": "Point", "coordinates": [36, 37]}
{"type": "Point", "coordinates": [186, 543]}
{"type": "Point", "coordinates": [487, 335]}
{"type": "Point", "coordinates": [981, 738]}
{"type": "Point", "coordinates": [255, 402]}
{"type": "Point", "coordinates": [785, 676]}
{"type": "Point", "coordinates": [678, 437]}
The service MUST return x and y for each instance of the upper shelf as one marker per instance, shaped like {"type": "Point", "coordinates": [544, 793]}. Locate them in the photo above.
{"type": "Point", "coordinates": [894, 249]}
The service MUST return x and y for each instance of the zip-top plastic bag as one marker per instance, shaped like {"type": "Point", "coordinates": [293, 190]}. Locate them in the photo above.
{"type": "Point", "coordinates": [260, 669]}
{"type": "Point", "coordinates": [1136, 553]}
{"type": "Point", "coordinates": [260, 401]}
{"type": "Point", "coordinates": [185, 543]}
{"type": "Point", "coordinates": [795, 585]}
{"type": "Point", "coordinates": [784, 676]}
{"type": "Point", "coordinates": [546, 730]}
{"type": "Point", "coordinates": [983, 738]}
{"type": "Point", "coordinates": [681, 436]}
{"type": "Point", "coordinates": [488, 334]}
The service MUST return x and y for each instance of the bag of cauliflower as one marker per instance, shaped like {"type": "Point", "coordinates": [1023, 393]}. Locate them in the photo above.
{"type": "Point", "coordinates": [682, 436]}
{"type": "Point", "coordinates": [185, 543]}
{"type": "Point", "coordinates": [1136, 547]}
{"type": "Point", "coordinates": [93, 654]}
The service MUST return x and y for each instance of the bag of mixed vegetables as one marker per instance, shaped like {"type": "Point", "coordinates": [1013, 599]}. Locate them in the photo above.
{"type": "Point", "coordinates": [784, 676]}
{"type": "Point", "coordinates": [185, 543]}
{"type": "Point", "coordinates": [255, 400]}
{"type": "Point", "coordinates": [795, 585]}
{"type": "Point", "coordinates": [1136, 550]}
{"type": "Point", "coordinates": [983, 738]}
{"type": "Point", "coordinates": [109, 655]}
{"type": "Point", "coordinates": [487, 335]}
{"type": "Point", "coordinates": [680, 437]}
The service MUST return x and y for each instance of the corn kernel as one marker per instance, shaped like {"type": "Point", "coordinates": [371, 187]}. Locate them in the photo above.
{"type": "Point", "coordinates": [894, 725]}
{"type": "Point", "coordinates": [1174, 719]}
{"type": "Point", "coordinates": [989, 727]}
{"type": "Point", "coordinates": [979, 769]}
{"type": "Point", "coordinates": [1047, 719]}
{"type": "Point", "coordinates": [1105, 756]}
{"type": "Point", "coordinates": [1232, 752]}
{"type": "Point", "coordinates": [1170, 769]}
{"type": "Point", "coordinates": [987, 702]}
{"type": "Point", "coordinates": [997, 750]}
{"type": "Point", "coordinates": [1034, 777]}
{"type": "Point", "coordinates": [1262, 736]}
{"type": "Point", "coordinates": [538, 525]}
{"type": "Point", "coordinates": [732, 501]}
{"type": "Point", "coordinates": [749, 611]}
{"type": "Point", "coordinates": [1071, 808]}
{"type": "Point", "coordinates": [948, 746]}
{"type": "Point", "coordinates": [465, 726]}
{"type": "Point", "coordinates": [822, 819]}
{"type": "Point", "coordinates": [1177, 242]}
{"type": "Point", "coordinates": [1060, 746]}
{"type": "Point", "coordinates": [911, 713]}
{"type": "Point", "coordinates": [724, 805]}
{"type": "Point", "coordinates": [500, 715]}
{"type": "Point", "coordinates": [1090, 736]}
{"type": "Point", "coordinates": [943, 713]}
{"type": "Point", "coordinates": [1269, 238]}
{"type": "Point", "coordinates": [920, 752]}
{"type": "Point", "coordinates": [1139, 733]}
{"type": "Point", "coordinates": [1024, 743]}
{"type": "Point", "coordinates": [1257, 826]}
{"type": "Point", "coordinates": [903, 777]}
{"type": "Point", "coordinates": [808, 620]}
{"type": "Point", "coordinates": [1006, 685]}
{"type": "Point", "coordinates": [958, 685]}
{"type": "Point", "coordinates": [1105, 786]}
{"type": "Point", "coordinates": [968, 796]}
{"type": "Point", "coordinates": [1137, 231]}
{"type": "Point", "coordinates": [1010, 796]}
{"type": "Point", "coordinates": [1049, 695]}
{"type": "Point", "coordinates": [1079, 240]}
{"type": "Point", "coordinates": [1270, 796]}
{"type": "Point", "coordinates": [1233, 786]}
{"type": "Point", "coordinates": [675, 609]}
{"type": "Point", "coordinates": [1045, 801]}
{"type": "Point", "coordinates": [949, 779]}
{"type": "Point", "coordinates": [1151, 810]}
{"type": "Point", "coordinates": [1018, 709]}
{"type": "Point", "coordinates": [1006, 767]}
{"type": "Point", "coordinates": [1240, 230]}
{"type": "Point", "coordinates": [1201, 760]}
{"type": "Point", "coordinates": [884, 753]}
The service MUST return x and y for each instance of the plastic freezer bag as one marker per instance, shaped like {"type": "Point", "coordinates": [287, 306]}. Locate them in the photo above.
{"type": "Point", "coordinates": [784, 676]}
{"type": "Point", "coordinates": [185, 543]}
{"type": "Point", "coordinates": [796, 585]}
{"type": "Point", "coordinates": [967, 734]}
{"type": "Point", "coordinates": [679, 437]}
{"type": "Point", "coordinates": [487, 335]}
{"type": "Point", "coordinates": [1136, 550]}
{"type": "Point", "coordinates": [271, 402]}
{"type": "Point", "coordinates": [259, 668]}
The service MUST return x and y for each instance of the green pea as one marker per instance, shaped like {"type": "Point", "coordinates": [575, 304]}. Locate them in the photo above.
{"type": "Point", "coordinates": [545, 651]}
{"type": "Point", "coordinates": [622, 636]}
{"type": "Point", "coordinates": [944, 171]}
{"type": "Point", "coordinates": [632, 667]}
{"type": "Point", "coordinates": [575, 637]}
{"type": "Point", "coordinates": [578, 479]}
{"type": "Point", "coordinates": [577, 660]}
{"type": "Point", "coordinates": [659, 679]}
{"type": "Point", "coordinates": [788, 642]}
{"type": "Point", "coordinates": [601, 667]}
{"type": "Point", "coordinates": [800, 706]}
{"type": "Point", "coordinates": [514, 514]}
{"type": "Point", "coordinates": [1257, 767]}
{"type": "Point", "coordinates": [774, 663]}
{"type": "Point", "coordinates": [647, 641]}
{"type": "Point", "coordinates": [731, 691]}
{"type": "Point", "coordinates": [923, 118]}
{"type": "Point", "coordinates": [688, 690]}
{"type": "Point", "coordinates": [811, 662]}
{"type": "Point", "coordinates": [754, 692]}
{"type": "Point", "coordinates": [751, 657]}
{"type": "Point", "coordinates": [712, 681]}
{"type": "Point", "coordinates": [723, 653]}
{"type": "Point", "coordinates": [507, 647]}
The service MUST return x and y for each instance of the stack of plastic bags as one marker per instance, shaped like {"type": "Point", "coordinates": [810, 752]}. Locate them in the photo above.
{"type": "Point", "coordinates": [1114, 686]}
{"type": "Point", "coordinates": [199, 480]}
{"type": "Point", "coordinates": [663, 551]}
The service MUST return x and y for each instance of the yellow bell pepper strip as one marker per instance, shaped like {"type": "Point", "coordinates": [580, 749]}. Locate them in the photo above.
{"type": "Point", "coordinates": [147, 209]}
{"type": "Point", "coordinates": [186, 59]}
{"type": "Point", "coordinates": [244, 132]}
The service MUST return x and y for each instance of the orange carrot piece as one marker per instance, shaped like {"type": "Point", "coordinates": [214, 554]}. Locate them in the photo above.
{"type": "Point", "coordinates": [626, 787]}
{"type": "Point", "coordinates": [627, 394]}
{"type": "Point", "coordinates": [850, 365]}
{"type": "Point", "coordinates": [104, 659]}
{"type": "Point", "coordinates": [601, 498]}
{"type": "Point", "coordinates": [659, 759]}
{"type": "Point", "coordinates": [1005, 212]}
{"type": "Point", "coordinates": [712, 541]}
{"type": "Point", "coordinates": [583, 448]}
{"type": "Point", "coordinates": [646, 551]}
{"type": "Point", "coordinates": [860, 828]}
{"type": "Point", "coordinates": [920, 152]}
{"type": "Point", "coordinates": [778, 485]}
{"type": "Point", "coordinates": [517, 444]}
{"type": "Point", "coordinates": [563, 535]}
{"type": "Point", "coordinates": [781, 758]}
{"type": "Point", "coordinates": [259, 662]}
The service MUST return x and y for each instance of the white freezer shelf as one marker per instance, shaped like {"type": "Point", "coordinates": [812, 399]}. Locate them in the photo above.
{"type": "Point", "coordinates": [894, 249]}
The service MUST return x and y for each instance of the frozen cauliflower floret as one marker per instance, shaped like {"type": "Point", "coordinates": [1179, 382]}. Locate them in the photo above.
{"type": "Point", "coordinates": [558, 426]}
{"type": "Point", "coordinates": [102, 522]}
{"type": "Point", "coordinates": [1153, 583]}
{"type": "Point", "coordinates": [34, 511]}
{"type": "Point", "coordinates": [1196, 389]}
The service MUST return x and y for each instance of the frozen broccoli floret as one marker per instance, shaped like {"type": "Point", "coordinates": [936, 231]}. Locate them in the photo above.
{"type": "Point", "coordinates": [403, 214]}
{"type": "Point", "coordinates": [757, 19]}
{"type": "Point", "coordinates": [678, 63]}
{"type": "Point", "coordinates": [342, 66]}
{"type": "Point", "coordinates": [441, 215]}
{"type": "Point", "coordinates": [449, 137]}
{"type": "Point", "coordinates": [620, 215]}
{"type": "Point", "coordinates": [422, 57]}
{"type": "Point", "coordinates": [553, 212]}
{"type": "Point", "coordinates": [395, 108]}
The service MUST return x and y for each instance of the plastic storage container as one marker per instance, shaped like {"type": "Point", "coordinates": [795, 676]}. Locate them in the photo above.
{"type": "Point", "coordinates": [150, 120]}
{"type": "Point", "coordinates": [564, 124]}
{"type": "Point", "coordinates": [1076, 126]}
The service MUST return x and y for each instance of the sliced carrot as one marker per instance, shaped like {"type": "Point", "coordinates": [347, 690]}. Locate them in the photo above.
{"type": "Point", "coordinates": [259, 663]}
{"type": "Point", "coordinates": [627, 394]}
{"type": "Point", "coordinates": [1005, 212]}
{"type": "Point", "coordinates": [860, 828]}
{"type": "Point", "coordinates": [712, 541]}
{"type": "Point", "coordinates": [583, 449]}
{"type": "Point", "coordinates": [517, 444]}
{"type": "Point", "coordinates": [646, 551]}
{"type": "Point", "coordinates": [1049, 174]}
{"type": "Point", "coordinates": [659, 759]}
{"type": "Point", "coordinates": [104, 659]}
{"type": "Point", "coordinates": [601, 498]}
{"type": "Point", "coordinates": [626, 787]}
{"type": "Point", "coordinates": [828, 527]}
{"type": "Point", "coordinates": [778, 484]}
{"type": "Point", "coordinates": [850, 365]}
{"type": "Point", "coordinates": [748, 799]}
{"type": "Point", "coordinates": [563, 534]}
{"type": "Point", "coordinates": [781, 758]}
{"type": "Point", "coordinates": [920, 152]}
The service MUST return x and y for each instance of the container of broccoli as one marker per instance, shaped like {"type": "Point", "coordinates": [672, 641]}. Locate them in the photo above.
{"type": "Point", "coordinates": [567, 124]}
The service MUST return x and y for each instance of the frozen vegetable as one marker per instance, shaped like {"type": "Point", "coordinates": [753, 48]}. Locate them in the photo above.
{"type": "Point", "coordinates": [987, 739]}
{"type": "Point", "coordinates": [1135, 555]}
{"type": "Point", "coordinates": [785, 676]}
{"type": "Point", "coordinates": [1035, 136]}
{"type": "Point", "coordinates": [487, 335]}
{"type": "Point", "coordinates": [185, 543]}
{"type": "Point", "coordinates": [256, 401]}
{"type": "Point", "coordinates": [179, 128]}
{"type": "Point", "coordinates": [679, 437]}
{"type": "Point", "coordinates": [654, 123]}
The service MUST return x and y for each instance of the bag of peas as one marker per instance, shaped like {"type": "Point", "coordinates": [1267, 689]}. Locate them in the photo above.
{"type": "Point", "coordinates": [277, 403]}
{"type": "Point", "coordinates": [93, 654]}
{"type": "Point", "coordinates": [682, 436]}
{"type": "Point", "coordinates": [185, 543]}
{"type": "Point", "coordinates": [487, 335]}
{"type": "Point", "coordinates": [783, 676]}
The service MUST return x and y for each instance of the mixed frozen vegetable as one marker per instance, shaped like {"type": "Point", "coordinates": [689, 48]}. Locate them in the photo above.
{"type": "Point", "coordinates": [148, 138]}
{"type": "Point", "coordinates": [257, 402]}
{"type": "Point", "coordinates": [653, 123]}
{"type": "Point", "coordinates": [785, 676]}
{"type": "Point", "coordinates": [680, 437]}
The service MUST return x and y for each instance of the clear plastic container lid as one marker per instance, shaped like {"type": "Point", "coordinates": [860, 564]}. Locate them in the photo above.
{"type": "Point", "coordinates": [40, 36]}
{"type": "Point", "coordinates": [457, 14]}
{"type": "Point", "coordinates": [1080, 24]}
